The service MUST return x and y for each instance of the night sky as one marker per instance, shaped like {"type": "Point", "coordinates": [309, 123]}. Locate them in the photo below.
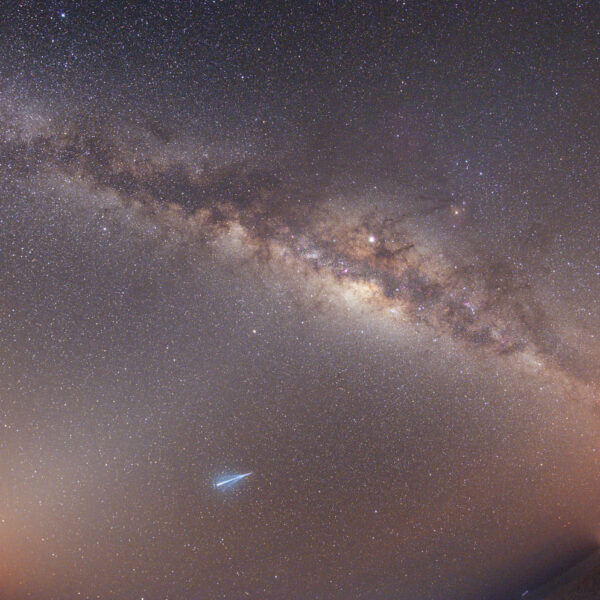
{"type": "Point", "coordinates": [350, 250]}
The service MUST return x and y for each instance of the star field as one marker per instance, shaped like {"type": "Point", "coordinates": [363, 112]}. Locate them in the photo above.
{"type": "Point", "coordinates": [347, 252]}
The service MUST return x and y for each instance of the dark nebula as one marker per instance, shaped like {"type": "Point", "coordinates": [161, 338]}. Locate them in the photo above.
{"type": "Point", "coordinates": [351, 249]}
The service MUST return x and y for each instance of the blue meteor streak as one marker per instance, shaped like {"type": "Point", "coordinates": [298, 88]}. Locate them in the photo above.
{"type": "Point", "coordinates": [231, 480]}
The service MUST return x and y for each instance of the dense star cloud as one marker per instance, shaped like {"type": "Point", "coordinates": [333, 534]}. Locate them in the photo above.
{"type": "Point", "coordinates": [349, 250]}
{"type": "Point", "coordinates": [376, 251]}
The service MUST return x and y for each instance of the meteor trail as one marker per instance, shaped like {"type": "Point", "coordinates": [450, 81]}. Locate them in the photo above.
{"type": "Point", "coordinates": [231, 480]}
